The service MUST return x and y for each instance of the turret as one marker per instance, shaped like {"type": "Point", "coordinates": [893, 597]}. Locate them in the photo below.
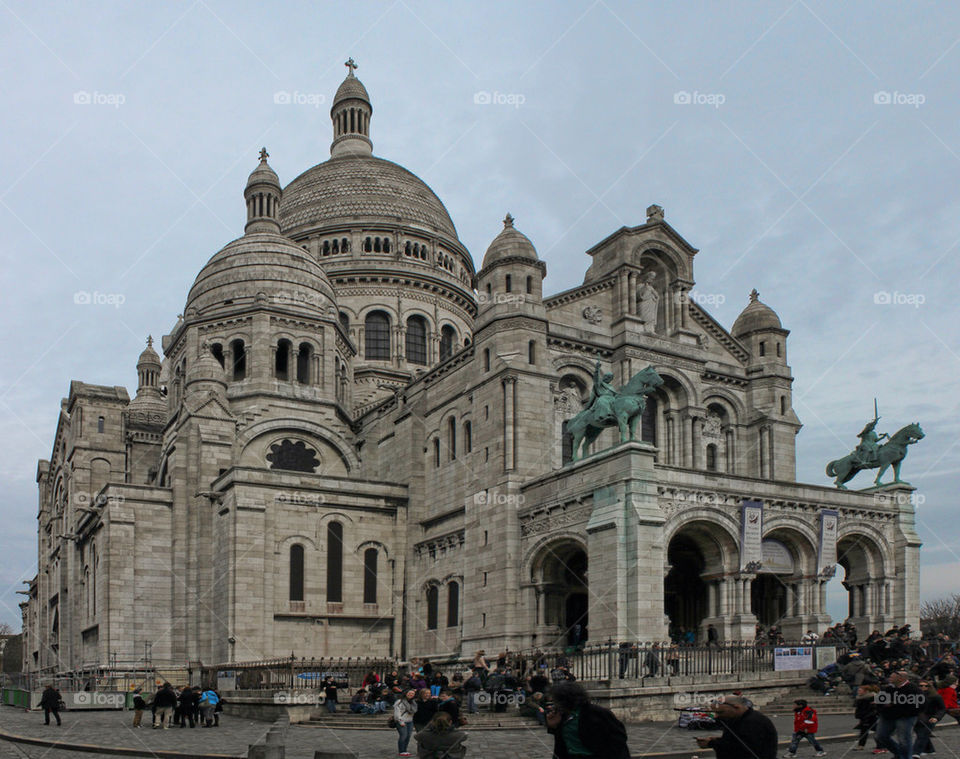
{"type": "Point", "coordinates": [350, 112]}
{"type": "Point", "coordinates": [263, 194]}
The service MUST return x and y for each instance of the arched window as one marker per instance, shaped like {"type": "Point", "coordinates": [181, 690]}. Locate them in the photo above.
{"type": "Point", "coordinates": [416, 341]}
{"type": "Point", "coordinates": [529, 285]}
{"type": "Point", "coordinates": [532, 352]}
{"type": "Point", "coordinates": [452, 437]}
{"type": "Point", "coordinates": [436, 451]}
{"type": "Point", "coordinates": [453, 604]}
{"type": "Point", "coordinates": [711, 458]}
{"type": "Point", "coordinates": [304, 359]}
{"type": "Point", "coordinates": [509, 283]}
{"type": "Point", "coordinates": [447, 339]}
{"type": "Point", "coordinates": [486, 359]}
{"type": "Point", "coordinates": [433, 602]}
{"type": "Point", "coordinates": [217, 351]}
{"type": "Point", "coordinates": [376, 346]}
{"type": "Point", "coordinates": [367, 245]}
{"type": "Point", "coordinates": [778, 350]}
{"type": "Point", "coordinates": [783, 405]}
{"type": "Point", "coordinates": [386, 245]}
{"type": "Point", "coordinates": [335, 562]}
{"type": "Point", "coordinates": [344, 321]}
{"type": "Point", "coordinates": [296, 572]}
{"type": "Point", "coordinates": [467, 437]}
{"type": "Point", "coordinates": [239, 359]}
{"type": "Point", "coordinates": [100, 423]}
{"type": "Point", "coordinates": [370, 576]}
{"type": "Point", "coordinates": [336, 246]}
{"type": "Point", "coordinates": [489, 289]}
{"type": "Point", "coordinates": [763, 348]}
{"type": "Point", "coordinates": [281, 361]}
{"type": "Point", "coordinates": [344, 245]}
{"type": "Point", "coordinates": [376, 244]}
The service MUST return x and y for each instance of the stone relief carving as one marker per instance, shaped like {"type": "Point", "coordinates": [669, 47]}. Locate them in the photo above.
{"type": "Point", "coordinates": [593, 314]}
{"type": "Point", "coordinates": [712, 426]}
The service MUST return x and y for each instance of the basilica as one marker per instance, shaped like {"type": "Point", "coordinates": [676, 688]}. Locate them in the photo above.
{"type": "Point", "coordinates": [353, 442]}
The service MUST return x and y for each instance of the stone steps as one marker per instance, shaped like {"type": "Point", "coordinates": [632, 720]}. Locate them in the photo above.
{"type": "Point", "coordinates": [482, 721]}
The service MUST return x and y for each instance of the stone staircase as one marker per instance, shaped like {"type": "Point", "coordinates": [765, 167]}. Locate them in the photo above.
{"type": "Point", "coordinates": [484, 720]}
{"type": "Point", "coordinates": [836, 703]}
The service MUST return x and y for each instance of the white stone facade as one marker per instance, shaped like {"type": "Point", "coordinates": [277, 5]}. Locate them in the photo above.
{"type": "Point", "coordinates": [354, 446]}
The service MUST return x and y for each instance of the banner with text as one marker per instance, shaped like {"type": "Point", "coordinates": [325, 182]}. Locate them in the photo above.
{"type": "Point", "coordinates": [751, 536]}
{"type": "Point", "coordinates": [828, 542]}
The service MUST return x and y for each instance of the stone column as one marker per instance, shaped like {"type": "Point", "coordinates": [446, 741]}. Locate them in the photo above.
{"type": "Point", "coordinates": [622, 287]}
{"type": "Point", "coordinates": [632, 292]}
{"type": "Point", "coordinates": [695, 425]}
{"type": "Point", "coordinates": [509, 455]}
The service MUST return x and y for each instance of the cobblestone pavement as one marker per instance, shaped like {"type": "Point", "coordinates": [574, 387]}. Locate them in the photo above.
{"type": "Point", "coordinates": [234, 735]}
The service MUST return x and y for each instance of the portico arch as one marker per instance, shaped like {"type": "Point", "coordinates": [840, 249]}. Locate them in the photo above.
{"type": "Point", "coordinates": [864, 577]}
{"type": "Point", "coordinates": [701, 556]}
{"type": "Point", "coordinates": [558, 574]}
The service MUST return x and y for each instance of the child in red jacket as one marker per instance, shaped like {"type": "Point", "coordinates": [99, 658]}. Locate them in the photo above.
{"type": "Point", "coordinates": [804, 726]}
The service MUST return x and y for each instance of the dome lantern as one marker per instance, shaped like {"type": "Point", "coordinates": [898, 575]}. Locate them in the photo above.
{"type": "Point", "coordinates": [350, 113]}
{"type": "Point", "coordinates": [262, 195]}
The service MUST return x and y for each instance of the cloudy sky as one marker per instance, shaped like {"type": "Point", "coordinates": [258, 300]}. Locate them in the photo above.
{"type": "Point", "coordinates": [809, 149]}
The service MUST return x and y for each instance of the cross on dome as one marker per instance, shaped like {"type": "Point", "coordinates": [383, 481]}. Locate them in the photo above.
{"type": "Point", "coordinates": [149, 341]}
{"type": "Point", "coordinates": [508, 220]}
{"type": "Point", "coordinates": [351, 65]}
{"type": "Point", "coordinates": [754, 295]}
{"type": "Point", "coordinates": [264, 155]}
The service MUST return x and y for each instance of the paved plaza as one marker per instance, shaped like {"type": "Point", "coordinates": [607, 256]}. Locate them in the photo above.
{"type": "Point", "coordinates": [235, 735]}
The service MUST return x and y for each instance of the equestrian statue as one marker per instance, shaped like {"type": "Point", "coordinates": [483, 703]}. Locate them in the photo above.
{"type": "Point", "coordinates": [609, 407]}
{"type": "Point", "coordinates": [870, 454]}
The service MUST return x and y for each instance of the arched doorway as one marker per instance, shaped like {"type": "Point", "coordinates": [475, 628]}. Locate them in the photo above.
{"type": "Point", "coordinates": [684, 592]}
{"type": "Point", "coordinates": [868, 592]}
{"type": "Point", "coordinates": [698, 587]}
{"type": "Point", "coordinates": [768, 599]}
{"type": "Point", "coordinates": [560, 580]}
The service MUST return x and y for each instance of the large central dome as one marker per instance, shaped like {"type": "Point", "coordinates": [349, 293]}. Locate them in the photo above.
{"type": "Point", "coordinates": [361, 189]}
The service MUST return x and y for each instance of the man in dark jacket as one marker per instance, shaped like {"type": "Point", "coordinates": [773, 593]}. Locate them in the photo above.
{"type": "Point", "coordinates": [747, 734]}
{"type": "Point", "coordinates": [50, 703]}
{"type": "Point", "coordinates": [931, 712]}
{"type": "Point", "coordinates": [165, 701]}
{"type": "Point", "coordinates": [898, 705]}
{"type": "Point", "coordinates": [580, 728]}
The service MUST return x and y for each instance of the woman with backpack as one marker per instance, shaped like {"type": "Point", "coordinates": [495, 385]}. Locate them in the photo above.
{"type": "Point", "coordinates": [441, 739]}
{"type": "Point", "coordinates": [208, 702]}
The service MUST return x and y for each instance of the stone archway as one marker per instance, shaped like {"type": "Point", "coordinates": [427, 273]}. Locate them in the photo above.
{"type": "Point", "coordinates": [699, 581]}
{"type": "Point", "coordinates": [868, 589]}
{"type": "Point", "coordinates": [560, 579]}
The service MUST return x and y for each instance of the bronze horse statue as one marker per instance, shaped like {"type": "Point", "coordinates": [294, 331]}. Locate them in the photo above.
{"type": "Point", "coordinates": [621, 408]}
{"type": "Point", "coordinates": [889, 454]}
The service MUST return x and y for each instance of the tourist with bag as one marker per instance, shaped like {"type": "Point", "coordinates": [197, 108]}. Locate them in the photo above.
{"type": "Point", "coordinates": [403, 711]}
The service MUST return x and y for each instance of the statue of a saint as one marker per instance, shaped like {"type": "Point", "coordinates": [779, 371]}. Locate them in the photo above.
{"type": "Point", "coordinates": [866, 453]}
{"type": "Point", "coordinates": [648, 300]}
{"type": "Point", "coordinates": [602, 388]}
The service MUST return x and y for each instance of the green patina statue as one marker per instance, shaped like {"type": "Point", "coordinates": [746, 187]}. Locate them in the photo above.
{"type": "Point", "coordinates": [609, 407]}
{"type": "Point", "coordinates": [870, 454]}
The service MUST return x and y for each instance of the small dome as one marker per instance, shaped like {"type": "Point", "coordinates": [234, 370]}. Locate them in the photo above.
{"type": "Point", "coordinates": [149, 357]}
{"type": "Point", "coordinates": [351, 88]}
{"type": "Point", "coordinates": [261, 268]}
{"type": "Point", "coordinates": [206, 368]}
{"type": "Point", "coordinates": [755, 317]}
{"type": "Point", "coordinates": [510, 243]}
{"type": "Point", "coordinates": [263, 174]}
